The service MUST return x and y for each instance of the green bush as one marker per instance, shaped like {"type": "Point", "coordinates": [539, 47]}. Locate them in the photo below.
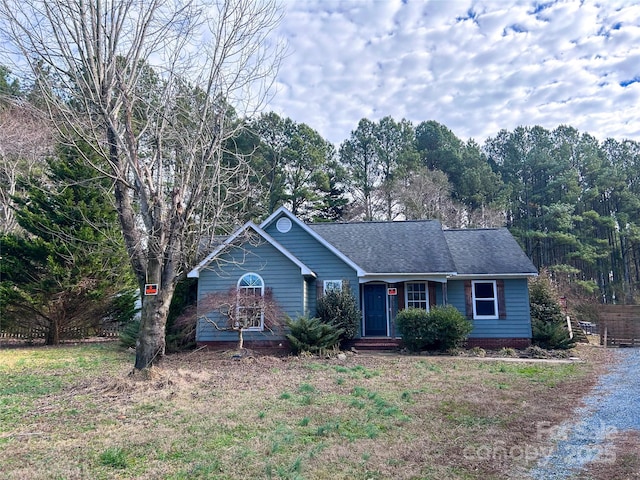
{"type": "Point", "coordinates": [416, 330]}
{"type": "Point", "coordinates": [552, 336]}
{"type": "Point", "coordinates": [442, 328]}
{"type": "Point", "coordinates": [548, 323]}
{"type": "Point", "coordinates": [129, 334]}
{"type": "Point", "coordinates": [312, 335]}
{"type": "Point", "coordinates": [338, 308]}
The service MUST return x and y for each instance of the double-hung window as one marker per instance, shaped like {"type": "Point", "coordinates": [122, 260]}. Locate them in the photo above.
{"type": "Point", "coordinates": [417, 295]}
{"type": "Point", "coordinates": [250, 302]}
{"type": "Point", "coordinates": [485, 299]}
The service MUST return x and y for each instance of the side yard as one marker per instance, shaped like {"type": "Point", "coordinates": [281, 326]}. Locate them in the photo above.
{"type": "Point", "coordinates": [73, 412]}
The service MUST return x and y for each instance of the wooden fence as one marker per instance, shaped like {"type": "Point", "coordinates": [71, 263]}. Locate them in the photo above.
{"type": "Point", "coordinates": [619, 325]}
{"type": "Point", "coordinates": [71, 333]}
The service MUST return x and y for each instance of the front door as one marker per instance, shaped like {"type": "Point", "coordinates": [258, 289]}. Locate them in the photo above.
{"type": "Point", "coordinates": [375, 310]}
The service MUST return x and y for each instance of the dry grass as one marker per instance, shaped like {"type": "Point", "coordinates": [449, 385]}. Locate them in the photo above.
{"type": "Point", "coordinates": [208, 415]}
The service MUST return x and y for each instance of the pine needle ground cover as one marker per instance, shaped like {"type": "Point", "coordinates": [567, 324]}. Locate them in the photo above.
{"type": "Point", "coordinates": [73, 412]}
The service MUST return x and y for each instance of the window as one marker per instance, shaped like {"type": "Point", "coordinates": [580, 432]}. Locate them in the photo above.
{"type": "Point", "coordinates": [485, 299]}
{"type": "Point", "coordinates": [332, 286]}
{"type": "Point", "coordinates": [250, 302]}
{"type": "Point", "coordinates": [416, 295]}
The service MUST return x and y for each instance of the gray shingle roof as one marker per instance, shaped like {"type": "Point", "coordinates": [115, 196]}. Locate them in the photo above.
{"type": "Point", "coordinates": [487, 251]}
{"type": "Point", "coordinates": [423, 247]}
{"type": "Point", "coordinates": [391, 247]}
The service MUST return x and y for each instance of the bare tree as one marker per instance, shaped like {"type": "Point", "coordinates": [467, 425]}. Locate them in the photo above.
{"type": "Point", "coordinates": [236, 310]}
{"type": "Point", "coordinates": [27, 137]}
{"type": "Point", "coordinates": [157, 88]}
{"type": "Point", "coordinates": [426, 194]}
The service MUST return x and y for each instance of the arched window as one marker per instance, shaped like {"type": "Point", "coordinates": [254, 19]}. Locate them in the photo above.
{"type": "Point", "coordinates": [250, 302]}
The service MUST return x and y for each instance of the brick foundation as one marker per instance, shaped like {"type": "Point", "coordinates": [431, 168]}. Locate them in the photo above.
{"type": "Point", "coordinates": [497, 343]}
{"type": "Point", "coordinates": [261, 345]}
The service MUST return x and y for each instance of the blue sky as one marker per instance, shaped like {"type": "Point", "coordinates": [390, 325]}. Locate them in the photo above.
{"type": "Point", "coordinates": [475, 66]}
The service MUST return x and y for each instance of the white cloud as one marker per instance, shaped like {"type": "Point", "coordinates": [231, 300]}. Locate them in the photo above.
{"type": "Point", "coordinates": [474, 66]}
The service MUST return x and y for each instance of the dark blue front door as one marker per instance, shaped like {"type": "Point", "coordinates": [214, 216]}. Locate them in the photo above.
{"type": "Point", "coordinates": [375, 310]}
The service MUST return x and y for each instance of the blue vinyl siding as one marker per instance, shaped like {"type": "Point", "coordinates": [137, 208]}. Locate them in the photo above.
{"type": "Point", "coordinates": [517, 323]}
{"type": "Point", "coordinates": [324, 263]}
{"type": "Point", "coordinates": [280, 275]}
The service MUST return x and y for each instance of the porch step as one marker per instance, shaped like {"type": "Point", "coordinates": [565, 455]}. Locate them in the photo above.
{"type": "Point", "coordinates": [370, 343]}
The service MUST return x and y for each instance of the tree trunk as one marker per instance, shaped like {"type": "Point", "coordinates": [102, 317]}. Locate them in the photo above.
{"type": "Point", "coordinates": [53, 333]}
{"type": "Point", "coordinates": [150, 347]}
{"type": "Point", "coordinates": [240, 340]}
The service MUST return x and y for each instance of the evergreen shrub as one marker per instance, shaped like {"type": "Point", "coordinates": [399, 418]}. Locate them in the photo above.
{"type": "Point", "coordinates": [312, 335]}
{"type": "Point", "coordinates": [548, 323]}
{"type": "Point", "coordinates": [338, 308]}
{"type": "Point", "coordinates": [442, 328]}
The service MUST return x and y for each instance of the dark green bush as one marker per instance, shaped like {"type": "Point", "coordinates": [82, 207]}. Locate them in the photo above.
{"type": "Point", "coordinates": [416, 330]}
{"type": "Point", "coordinates": [129, 334]}
{"type": "Point", "coordinates": [553, 336]}
{"type": "Point", "coordinates": [338, 308]}
{"type": "Point", "coordinates": [312, 335]}
{"type": "Point", "coordinates": [452, 327]}
{"type": "Point", "coordinates": [548, 323]}
{"type": "Point", "coordinates": [442, 328]}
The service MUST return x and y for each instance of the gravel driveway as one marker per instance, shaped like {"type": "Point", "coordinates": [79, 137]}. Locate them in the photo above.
{"type": "Point", "coordinates": [613, 406]}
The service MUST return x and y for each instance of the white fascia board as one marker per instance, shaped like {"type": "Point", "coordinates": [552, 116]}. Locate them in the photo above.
{"type": "Point", "coordinates": [406, 277]}
{"type": "Point", "coordinates": [322, 241]}
{"type": "Point", "coordinates": [304, 270]}
{"type": "Point", "coordinates": [195, 272]}
{"type": "Point", "coordinates": [505, 276]}
{"type": "Point", "coordinates": [275, 215]}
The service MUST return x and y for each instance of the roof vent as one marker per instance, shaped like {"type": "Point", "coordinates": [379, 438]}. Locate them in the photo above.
{"type": "Point", "coordinates": [283, 224]}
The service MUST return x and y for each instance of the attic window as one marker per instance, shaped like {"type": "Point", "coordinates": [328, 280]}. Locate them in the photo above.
{"type": "Point", "coordinates": [283, 224]}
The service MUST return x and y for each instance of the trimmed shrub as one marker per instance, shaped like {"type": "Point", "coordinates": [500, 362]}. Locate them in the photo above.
{"type": "Point", "coordinates": [452, 327]}
{"type": "Point", "coordinates": [415, 329]}
{"type": "Point", "coordinates": [338, 308]}
{"type": "Point", "coordinates": [312, 335]}
{"type": "Point", "coordinates": [442, 328]}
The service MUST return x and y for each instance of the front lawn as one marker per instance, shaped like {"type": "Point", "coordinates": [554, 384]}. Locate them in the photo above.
{"type": "Point", "coordinates": [73, 412]}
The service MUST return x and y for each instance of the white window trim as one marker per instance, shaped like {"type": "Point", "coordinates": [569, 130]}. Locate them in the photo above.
{"type": "Point", "coordinates": [261, 327]}
{"type": "Point", "coordinates": [327, 285]}
{"type": "Point", "coordinates": [426, 291]}
{"type": "Point", "coordinates": [495, 300]}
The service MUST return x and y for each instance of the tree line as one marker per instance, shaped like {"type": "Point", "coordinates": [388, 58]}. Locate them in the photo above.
{"type": "Point", "coordinates": [572, 201]}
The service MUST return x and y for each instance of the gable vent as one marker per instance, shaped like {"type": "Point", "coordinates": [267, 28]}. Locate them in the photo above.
{"type": "Point", "coordinates": [283, 224]}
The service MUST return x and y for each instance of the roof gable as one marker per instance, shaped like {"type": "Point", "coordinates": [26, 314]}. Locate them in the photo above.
{"type": "Point", "coordinates": [282, 211]}
{"type": "Point", "coordinates": [244, 230]}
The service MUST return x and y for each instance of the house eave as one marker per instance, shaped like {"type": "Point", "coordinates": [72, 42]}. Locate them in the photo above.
{"type": "Point", "coordinates": [475, 276]}
{"type": "Point", "coordinates": [440, 277]}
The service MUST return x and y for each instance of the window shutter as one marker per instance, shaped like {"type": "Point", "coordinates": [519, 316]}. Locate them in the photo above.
{"type": "Point", "coordinates": [502, 309]}
{"type": "Point", "coordinates": [468, 299]}
{"type": "Point", "coordinates": [319, 289]}
{"type": "Point", "coordinates": [432, 294]}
